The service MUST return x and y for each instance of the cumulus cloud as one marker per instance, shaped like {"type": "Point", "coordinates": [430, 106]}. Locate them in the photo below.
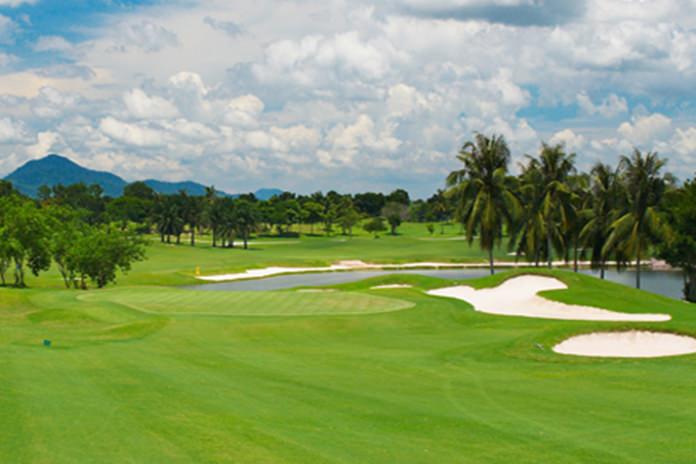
{"type": "Point", "coordinates": [16, 3]}
{"type": "Point", "coordinates": [8, 30]}
{"type": "Point", "coordinates": [515, 12]}
{"type": "Point", "coordinates": [684, 143]}
{"type": "Point", "coordinates": [228, 27]}
{"type": "Point", "coordinates": [67, 71]}
{"type": "Point", "coordinates": [569, 139]}
{"type": "Point", "coordinates": [610, 107]}
{"type": "Point", "coordinates": [142, 106]}
{"type": "Point", "coordinates": [645, 129]}
{"type": "Point", "coordinates": [12, 131]}
{"type": "Point", "coordinates": [52, 43]}
{"type": "Point", "coordinates": [243, 111]}
{"type": "Point", "coordinates": [147, 36]}
{"type": "Point", "coordinates": [51, 103]}
{"type": "Point", "coordinates": [132, 134]}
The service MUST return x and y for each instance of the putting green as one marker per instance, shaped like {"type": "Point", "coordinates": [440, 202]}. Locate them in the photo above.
{"type": "Point", "coordinates": [168, 301]}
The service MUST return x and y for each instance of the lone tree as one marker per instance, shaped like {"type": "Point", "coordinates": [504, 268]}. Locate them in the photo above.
{"type": "Point", "coordinates": [375, 226]}
{"type": "Point", "coordinates": [102, 251]}
{"type": "Point", "coordinates": [395, 213]}
{"type": "Point", "coordinates": [486, 201]}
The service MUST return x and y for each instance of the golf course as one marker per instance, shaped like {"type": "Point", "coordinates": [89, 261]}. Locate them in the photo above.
{"type": "Point", "coordinates": [150, 371]}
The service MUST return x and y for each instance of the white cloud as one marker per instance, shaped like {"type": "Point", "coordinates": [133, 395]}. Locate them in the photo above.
{"type": "Point", "coordinates": [244, 111]}
{"type": "Point", "coordinates": [645, 129]}
{"type": "Point", "coordinates": [52, 43]}
{"type": "Point", "coordinates": [228, 27]}
{"type": "Point", "coordinates": [569, 139]}
{"type": "Point", "coordinates": [403, 99]}
{"type": "Point", "coordinates": [47, 142]}
{"type": "Point", "coordinates": [143, 106]}
{"type": "Point", "coordinates": [147, 36]}
{"type": "Point", "coordinates": [12, 131]}
{"type": "Point", "coordinates": [132, 134]}
{"type": "Point", "coordinates": [8, 30]}
{"type": "Point", "coordinates": [16, 3]}
{"type": "Point", "coordinates": [52, 103]}
{"type": "Point", "coordinates": [684, 143]}
{"type": "Point", "coordinates": [610, 107]}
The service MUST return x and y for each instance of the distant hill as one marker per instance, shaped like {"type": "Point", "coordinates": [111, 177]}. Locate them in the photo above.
{"type": "Point", "coordinates": [55, 169]}
{"type": "Point", "coordinates": [266, 193]}
{"type": "Point", "coordinates": [168, 188]}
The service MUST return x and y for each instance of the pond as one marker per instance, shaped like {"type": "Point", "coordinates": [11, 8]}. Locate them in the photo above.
{"type": "Point", "coordinates": [668, 283]}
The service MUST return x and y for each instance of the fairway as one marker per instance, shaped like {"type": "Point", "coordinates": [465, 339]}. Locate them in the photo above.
{"type": "Point", "coordinates": [150, 374]}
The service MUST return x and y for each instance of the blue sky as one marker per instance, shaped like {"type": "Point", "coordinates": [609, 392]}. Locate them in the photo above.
{"type": "Point", "coordinates": [309, 95]}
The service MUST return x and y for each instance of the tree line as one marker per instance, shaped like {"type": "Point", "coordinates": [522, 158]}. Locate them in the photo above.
{"type": "Point", "coordinates": [612, 214]}
{"type": "Point", "coordinates": [180, 218]}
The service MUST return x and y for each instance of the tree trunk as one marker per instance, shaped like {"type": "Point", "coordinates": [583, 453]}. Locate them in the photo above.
{"type": "Point", "coordinates": [601, 270]}
{"type": "Point", "coordinates": [638, 269]}
{"type": "Point", "coordinates": [490, 260]}
{"type": "Point", "coordinates": [19, 274]}
{"type": "Point", "coordinates": [193, 236]}
{"type": "Point", "coordinates": [575, 254]}
{"type": "Point", "coordinates": [178, 239]}
{"type": "Point", "coordinates": [549, 255]}
{"type": "Point", "coordinates": [214, 238]}
{"type": "Point", "coordinates": [246, 240]}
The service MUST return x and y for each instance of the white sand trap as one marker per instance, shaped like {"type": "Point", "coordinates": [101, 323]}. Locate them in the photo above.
{"type": "Point", "coordinates": [391, 286]}
{"type": "Point", "coordinates": [316, 290]}
{"type": "Point", "coordinates": [518, 297]}
{"type": "Point", "coordinates": [632, 344]}
{"type": "Point", "coordinates": [357, 265]}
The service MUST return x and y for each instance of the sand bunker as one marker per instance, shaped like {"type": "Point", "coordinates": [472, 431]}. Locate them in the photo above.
{"type": "Point", "coordinates": [518, 297]}
{"type": "Point", "coordinates": [632, 344]}
{"type": "Point", "coordinates": [316, 290]}
{"type": "Point", "coordinates": [348, 265]}
{"type": "Point", "coordinates": [391, 286]}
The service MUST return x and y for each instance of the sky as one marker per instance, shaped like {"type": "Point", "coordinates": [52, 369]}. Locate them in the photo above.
{"type": "Point", "coordinates": [349, 95]}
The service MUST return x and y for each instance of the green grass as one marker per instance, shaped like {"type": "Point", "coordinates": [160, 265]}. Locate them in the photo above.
{"type": "Point", "coordinates": [146, 374]}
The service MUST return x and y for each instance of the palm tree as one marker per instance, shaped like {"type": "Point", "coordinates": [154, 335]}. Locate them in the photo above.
{"type": "Point", "coordinates": [527, 237]}
{"type": "Point", "coordinates": [606, 200]}
{"type": "Point", "coordinates": [554, 166]}
{"type": "Point", "coordinates": [484, 191]}
{"type": "Point", "coordinates": [640, 225]}
{"type": "Point", "coordinates": [576, 219]}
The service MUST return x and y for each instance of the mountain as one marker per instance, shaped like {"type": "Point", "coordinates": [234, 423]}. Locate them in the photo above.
{"type": "Point", "coordinates": [169, 188]}
{"type": "Point", "coordinates": [266, 193]}
{"type": "Point", "coordinates": [55, 169]}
